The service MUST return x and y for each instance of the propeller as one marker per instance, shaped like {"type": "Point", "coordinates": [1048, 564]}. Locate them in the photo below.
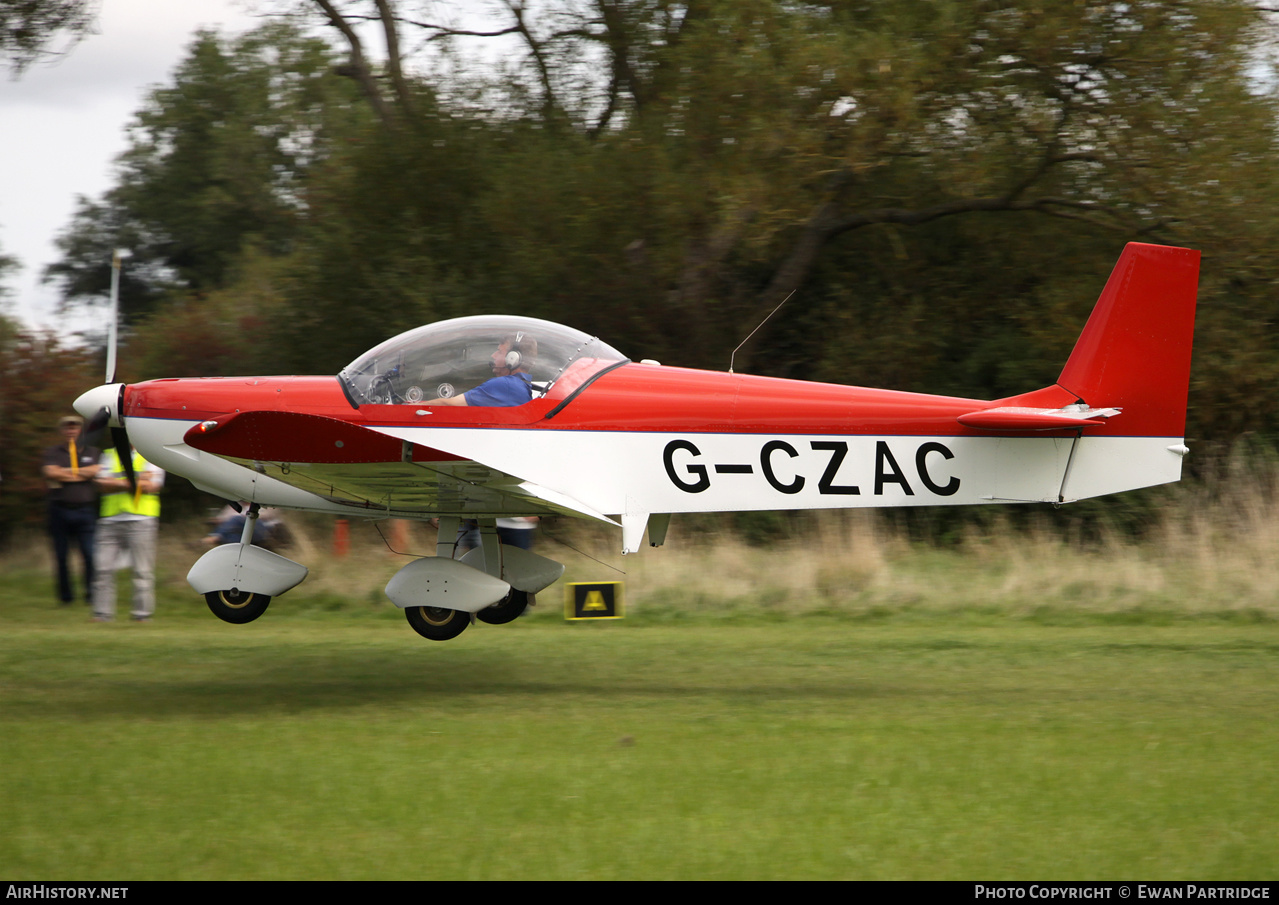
{"type": "Point", "coordinates": [124, 452]}
{"type": "Point", "coordinates": [119, 436]}
{"type": "Point", "coordinates": [103, 405]}
{"type": "Point", "coordinates": [117, 257]}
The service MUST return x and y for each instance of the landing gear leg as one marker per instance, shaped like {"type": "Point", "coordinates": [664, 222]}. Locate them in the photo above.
{"type": "Point", "coordinates": [236, 606]}
{"type": "Point", "coordinates": [250, 524]}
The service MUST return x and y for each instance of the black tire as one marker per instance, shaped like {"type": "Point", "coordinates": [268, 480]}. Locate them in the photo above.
{"type": "Point", "coordinates": [237, 607]}
{"type": "Point", "coordinates": [508, 609]}
{"type": "Point", "coordinates": [437, 623]}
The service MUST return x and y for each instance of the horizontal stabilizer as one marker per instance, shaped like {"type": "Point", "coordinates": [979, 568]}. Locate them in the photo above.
{"type": "Point", "coordinates": [1022, 418]}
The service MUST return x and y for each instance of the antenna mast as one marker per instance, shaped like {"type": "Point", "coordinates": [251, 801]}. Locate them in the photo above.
{"type": "Point", "coordinates": [756, 330]}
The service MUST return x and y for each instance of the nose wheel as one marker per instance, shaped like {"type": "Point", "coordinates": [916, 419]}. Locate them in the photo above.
{"type": "Point", "coordinates": [237, 606]}
{"type": "Point", "coordinates": [437, 623]}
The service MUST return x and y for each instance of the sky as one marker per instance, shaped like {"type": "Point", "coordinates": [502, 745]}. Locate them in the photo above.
{"type": "Point", "coordinates": [63, 124]}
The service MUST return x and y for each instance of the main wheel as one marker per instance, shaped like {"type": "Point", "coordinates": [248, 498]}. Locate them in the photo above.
{"type": "Point", "coordinates": [237, 606]}
{"type": "Point", "coordinates": [509, 608]}
{"type": "Point", "coordinates": [437, 623]}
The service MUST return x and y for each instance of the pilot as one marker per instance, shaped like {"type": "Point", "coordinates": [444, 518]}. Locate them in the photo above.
{"type": "Point", "coordinates": [510, 383]}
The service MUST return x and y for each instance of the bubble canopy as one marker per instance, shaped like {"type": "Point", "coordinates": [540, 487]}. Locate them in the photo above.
{"type": "Point", "coordinates": [450, 357]}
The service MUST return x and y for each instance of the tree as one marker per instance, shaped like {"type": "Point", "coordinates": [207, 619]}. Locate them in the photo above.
{"type": "Point", "coordinates": [216, 163]}
{"type": "Point", "coordinates": [28, 29]}
{"type": "Point", "coordinates": [41, 376]}
{"type": "Point", "coordinates": [943, 185]}
{"type": "Point", "coordinates": [734, 147]}
{"type": "Point", "coordinates": [8, 264]}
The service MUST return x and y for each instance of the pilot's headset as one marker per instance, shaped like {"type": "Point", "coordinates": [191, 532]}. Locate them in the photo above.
{"type": "Point", "coordinates": [514, 355]}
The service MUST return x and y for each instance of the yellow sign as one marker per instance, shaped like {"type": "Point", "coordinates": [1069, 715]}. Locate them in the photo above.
{"type": "Point", "coordinates": [593, 600]}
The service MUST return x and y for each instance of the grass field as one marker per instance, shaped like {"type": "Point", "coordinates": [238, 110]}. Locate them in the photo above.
{"type": "Point", "coordinates": [923, 740]}
{"type": "Point", "coordinates": [842, 704]}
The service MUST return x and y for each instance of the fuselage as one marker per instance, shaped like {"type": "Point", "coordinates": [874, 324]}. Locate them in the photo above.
{"type": "Point", "coordinates": [644, 437]}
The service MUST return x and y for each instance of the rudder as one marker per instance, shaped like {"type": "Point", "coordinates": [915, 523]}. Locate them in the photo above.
{"type": "Point", "coordinates": [1134, 352]}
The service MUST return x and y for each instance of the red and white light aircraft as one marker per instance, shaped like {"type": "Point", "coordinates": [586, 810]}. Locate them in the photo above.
{"type": "Point", "coordinates": [630, 443]}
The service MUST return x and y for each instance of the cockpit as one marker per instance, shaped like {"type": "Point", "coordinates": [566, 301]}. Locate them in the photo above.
{"type": "Point", "coordinates": [448, 358]}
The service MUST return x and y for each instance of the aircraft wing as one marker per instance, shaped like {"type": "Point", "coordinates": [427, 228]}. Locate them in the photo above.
{"type": "Point", "coordinates": [368, 470]}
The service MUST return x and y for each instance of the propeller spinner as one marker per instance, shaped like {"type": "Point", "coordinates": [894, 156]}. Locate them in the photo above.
{"type": "Point", "coordinates": [101, 407]}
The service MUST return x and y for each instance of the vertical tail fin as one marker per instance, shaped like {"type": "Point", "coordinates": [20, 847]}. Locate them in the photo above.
{"type": "Point", "coordinates": [1134, 353]}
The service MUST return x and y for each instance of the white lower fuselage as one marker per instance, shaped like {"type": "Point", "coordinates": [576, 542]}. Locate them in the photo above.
{"type": "Point", "coordinates": [614, 472]}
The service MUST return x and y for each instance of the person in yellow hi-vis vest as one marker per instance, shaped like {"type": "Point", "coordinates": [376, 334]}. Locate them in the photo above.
{"type": "Point", "coordinates": [127, 527]}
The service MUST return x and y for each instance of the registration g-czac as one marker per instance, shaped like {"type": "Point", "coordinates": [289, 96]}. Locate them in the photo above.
{"type": "Point", "coordinates": [631, 443]}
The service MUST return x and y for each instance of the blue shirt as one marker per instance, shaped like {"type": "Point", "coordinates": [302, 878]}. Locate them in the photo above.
{"type": "Point", "coordinates": [513, 389]}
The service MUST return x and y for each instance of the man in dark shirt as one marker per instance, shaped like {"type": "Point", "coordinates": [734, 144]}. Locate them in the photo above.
{"type": "Point", "coordinates": [69, 470]}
